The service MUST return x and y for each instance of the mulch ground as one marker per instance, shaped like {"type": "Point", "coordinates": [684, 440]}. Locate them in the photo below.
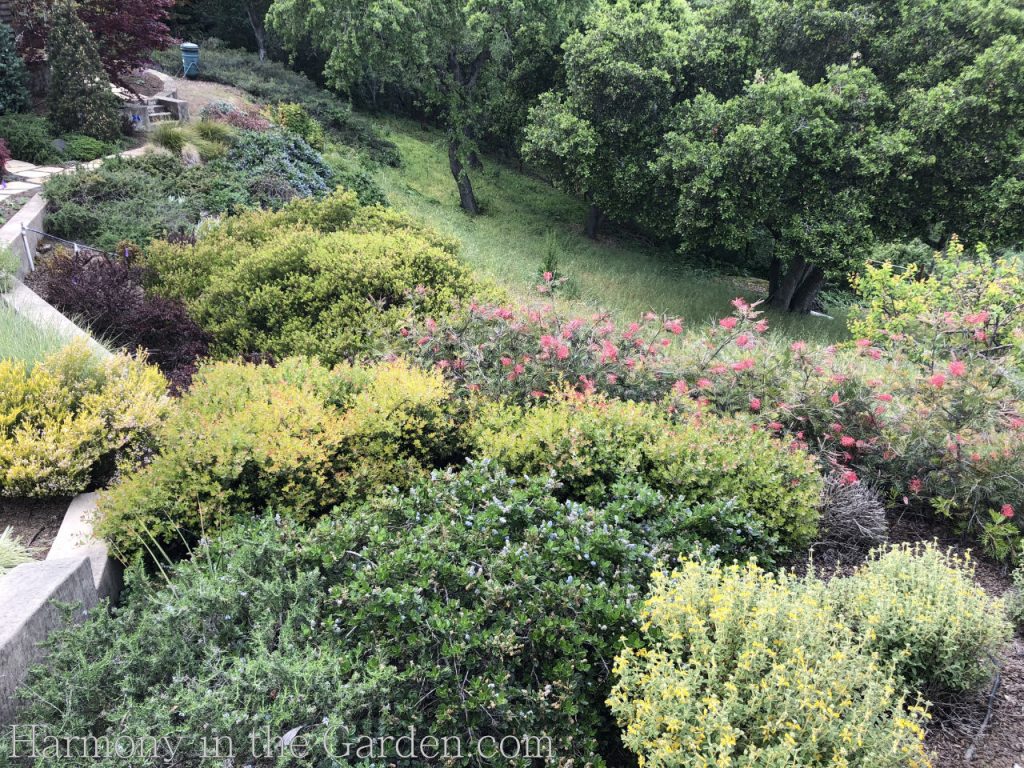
{"type": "Point", "coordinates": [983, 730]}
{"type": "Point", "coordinates": [35, 521]}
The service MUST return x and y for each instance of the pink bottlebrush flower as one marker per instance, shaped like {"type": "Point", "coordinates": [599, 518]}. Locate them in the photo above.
{"type": "Point", "coordinates": [849, 477]}
{"type": "Point", "coordinates": [739, 302]}
{"type": "Point", "coordinates": [742, 341]}
{"type": "Point", "coordinates": [680, 387]}
{"type": "Point", "coordinates": [938, 380]}
{"type": "Point", "coordinates": [957, 368]}
{"type": "Point", "coordinates": [916, 485]}
{"type": "Point", "coordinates": [548, 277]}
{"type": "Point", "coordinates": [507, 361]}
{"type": "Point", "coordinates": [704, 383]}
{"type": "Point", "coordinates": [609, 352]}
{"type": "Point", "coordinates": [744, 365]}
{"type": "Point", "coordinates": [847, 442]}
{"type": "Point", "coordinates": [834, 399]}
{"type": "Point", "coordinates": [562, 351]}
{"type": "Point", "coordinates": [674, 326]}
{"type": "Point", "coordinates": [1007, 510]}
{"type": "Point", "coordinates": [761, 326]}
{"type": "Point", "coordinates": [612, 378]}
{"type": "Point", "coordinates": [885, 398]}
{"type": "Point", "coordinates": [423, 340]}
{"type": "Point", "coordinates": [863, 343]}
{"type": "Point", "coordinates": [979, 318]}
{"type": "Point", "coordinates": [755, 404]}
{"type": "Point", "coordinates": [728, 323]}
{"type": "Point", "coordinates": [798, 346]}
{"type": "Point", "coordinates": [775, 426]}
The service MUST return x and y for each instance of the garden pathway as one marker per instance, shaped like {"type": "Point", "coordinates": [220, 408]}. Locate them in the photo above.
{"type": "Point", "coordinates": [30, 178]}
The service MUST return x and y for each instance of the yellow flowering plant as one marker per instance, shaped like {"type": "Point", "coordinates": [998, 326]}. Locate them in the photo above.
{"type": "Point", "coordinates": [740, 668]}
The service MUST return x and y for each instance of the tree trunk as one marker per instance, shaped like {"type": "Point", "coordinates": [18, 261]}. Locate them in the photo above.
{"type": "Point", "coordinates": [466, 197]}
{"type": "Point", "coordinates": [796, 289]}
{"type": "Point", "coordinates": [258, 30]}
{"type": "Point", "coordinates": [593, 222]}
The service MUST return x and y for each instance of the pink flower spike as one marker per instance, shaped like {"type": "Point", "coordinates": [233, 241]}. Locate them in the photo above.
{"type": "Point", "coordinates": [755, 404]}
{"type": "Point", "coordinates": [957, 368]}
{"type": "Point", "coordinates": [728, 323]}
{"type": "Point", "coordinates": [1007, 510]}
{"type": "Point", "coordinates": [938, 380]}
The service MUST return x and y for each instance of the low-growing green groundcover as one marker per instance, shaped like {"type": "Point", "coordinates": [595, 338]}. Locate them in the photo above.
{"type": "Point", "coordinates": [477, 605]}
{"type": "Point", "coordinates": [473, 604]}
{"type": "Point", "coordinates": [138, 199]}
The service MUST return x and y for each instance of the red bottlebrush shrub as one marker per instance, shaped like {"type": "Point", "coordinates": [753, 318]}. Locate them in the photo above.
{"type": "Point", "coordinates": [106, 293]}
{"type": "Point", "coordinates": [528, 353]}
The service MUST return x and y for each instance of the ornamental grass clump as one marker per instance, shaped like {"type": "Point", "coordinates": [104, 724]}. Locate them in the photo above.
{"type": "Point", "coordinates": [736, 666]}
{"type": "Point", "coordinates": [919, 605]}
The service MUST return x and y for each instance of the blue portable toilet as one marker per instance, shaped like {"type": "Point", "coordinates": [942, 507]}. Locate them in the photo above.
{"type": "Point", "coordinates": [190, 59]}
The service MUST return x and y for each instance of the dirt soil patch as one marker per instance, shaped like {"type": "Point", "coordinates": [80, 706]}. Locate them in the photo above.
{"type": "Point", "coordinates": [199, 93]}
{"type": "Point", "coordinates": [35, 522]}
{"type": "Point", "coordinates": [11, 205]}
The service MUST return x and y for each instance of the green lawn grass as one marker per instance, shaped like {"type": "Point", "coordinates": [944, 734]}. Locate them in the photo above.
{"type": "Point", "coordinates": [525, 219]}
{"type": "Point", "coordinates": [20, 339]}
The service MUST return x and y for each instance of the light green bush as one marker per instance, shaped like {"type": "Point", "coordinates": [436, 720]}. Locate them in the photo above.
{"type": "Point", "coordinates": [323, 279]}
{"type": "Point", "coordinates": [589, 445]}
{"type": "Point", "coordinates": [919, 605]}
{"type": "Point", "coordinates": [62, 416]}
{"type": "Point", "coordinates": [295, 438]}
{"type": "Point", "coordinates": [742, 668]}
{"type": "Point", "coordinates": [295, 119]}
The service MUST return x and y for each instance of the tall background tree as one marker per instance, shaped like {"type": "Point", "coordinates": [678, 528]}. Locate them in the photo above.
{"type": "Point", "coordinates": [240, 23]}
{"type": "Point", "coordinates": [126, 31]}
{"type": "Point", "coordinates": [82, 102]}
{"type": "Point", "coordinates": [598, 134]}
{"type": "Point", "coordinates": [803, 132]}
{"type": "Point", "coordinates": [449, 53]}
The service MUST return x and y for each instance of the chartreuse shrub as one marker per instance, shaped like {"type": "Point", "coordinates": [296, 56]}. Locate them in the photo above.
{"type": "Point", "coordinates": [62, 417]}
{"type": "Point", "coordinates": [588, 445]}
{"type": "Point", "coordinates": [920, 606]}
{"type": "Point", "coordinates": [294, 118]}
{"type": "Point", "coordinates": [740, 667]}
{"type": "Point", "coordinates": [293, 439]}
{"type": "Point", "coordinates": [469, 605]}
{"type": "Point", "coordinates": [322, 279]}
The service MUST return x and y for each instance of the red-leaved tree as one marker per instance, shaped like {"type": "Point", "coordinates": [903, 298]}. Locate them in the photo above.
{"type": "Point", "coordinates": [126, 31]}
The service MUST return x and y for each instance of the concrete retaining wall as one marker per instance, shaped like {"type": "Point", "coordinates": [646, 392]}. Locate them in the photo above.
{"type": "Point", "coordinates": [30, 215]}
{"type": "Point", "coordinates": [28, 615]}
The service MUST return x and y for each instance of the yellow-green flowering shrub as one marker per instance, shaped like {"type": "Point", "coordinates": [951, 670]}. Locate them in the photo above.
{"type": "Point", "coordinates": [293, 439]}
{"type": "Point", "coordinates": [295, 119]}
{"type": "Point", "coordinates": [316, 278]}
{"type": "Point", "coordinates": [968, 305]}
{"type": "Point", "coordinates": [742, 668]}
{"type": "Point", "coordinates": [920, 606]}
{"type": "Point", "coordinates": [63, 416]}
{"type": "Point", "coordinates": [591, 443]}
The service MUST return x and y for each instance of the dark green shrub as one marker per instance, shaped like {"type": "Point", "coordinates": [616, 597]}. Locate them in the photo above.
{"type": "Point", "coordinates": [350, 174]}
{"type": "Point", "coordinates": [85, 148]}
{"type": "Point", "coordinates": [323, 279]}
{"type": "Point", "coordinates": [29, 139]}
{"type": "Point", "coordinates": [295, 439]}
{"type": "Point", "coordinates": [13, 75]}
{"type": "Point", "coordinates": [81, 100]}
{"type": "Point", "coordinates": [121, 200]}
{"type": "Point", "coordinates": [587, 446]}
{"type": "Point", "coordinates": [470, 605]}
